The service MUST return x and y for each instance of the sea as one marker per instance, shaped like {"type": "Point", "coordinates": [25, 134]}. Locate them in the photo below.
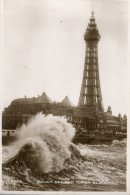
{"type": "Point", "coordinates": [44, 158]}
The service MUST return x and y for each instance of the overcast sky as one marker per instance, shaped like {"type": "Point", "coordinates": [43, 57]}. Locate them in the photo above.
{"type": "Point", "coordinates": [44, 49]}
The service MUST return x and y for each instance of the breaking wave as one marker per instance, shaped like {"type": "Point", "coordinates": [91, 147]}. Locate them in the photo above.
{"type": "Point", "coordinates": [44, 143]}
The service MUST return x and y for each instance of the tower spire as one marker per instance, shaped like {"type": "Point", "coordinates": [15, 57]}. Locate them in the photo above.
{"type": "Point", "coordinates": [92, 12]}
{"type": "Point", "coordinates": [90, 94]}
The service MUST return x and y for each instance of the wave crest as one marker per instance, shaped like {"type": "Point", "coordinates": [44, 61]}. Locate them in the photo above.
{"type": "Point", "coordinates": [119, 144]}
{"type": "Point", "coordinates": [45, 143]}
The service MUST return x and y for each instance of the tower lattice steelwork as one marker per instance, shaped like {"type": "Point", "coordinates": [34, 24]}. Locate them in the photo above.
{"type": "Point", "coordinates": [90, 94]}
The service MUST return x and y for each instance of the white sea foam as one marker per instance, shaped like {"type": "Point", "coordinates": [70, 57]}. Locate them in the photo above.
{"type": "Point", "coordinates": [44, 142]}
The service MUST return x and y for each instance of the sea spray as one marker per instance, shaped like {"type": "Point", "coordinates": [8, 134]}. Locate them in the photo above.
{"type": "Point", "coordinates": [46, 125]}
{"type": "Point", "coordinates": [45, 143]}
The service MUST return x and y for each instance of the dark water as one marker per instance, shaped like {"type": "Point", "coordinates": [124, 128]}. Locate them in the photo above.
{"type": "Point", "coordinates": [45, 159]}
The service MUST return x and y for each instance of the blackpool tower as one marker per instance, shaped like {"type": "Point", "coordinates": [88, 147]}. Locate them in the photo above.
{"type": "Point", "coordinates": [90, 94]}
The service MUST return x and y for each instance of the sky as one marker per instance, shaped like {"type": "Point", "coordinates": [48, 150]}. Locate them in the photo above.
{"type": "Point", "coordinates": [44, 49]}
